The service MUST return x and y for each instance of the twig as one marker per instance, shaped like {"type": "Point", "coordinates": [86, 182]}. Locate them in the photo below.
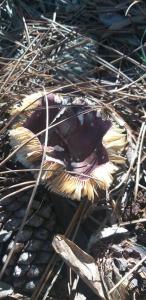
{"type": "Point", "coordinates": [139, 160]}
{"type": "Point", "coordinates": [132, 222]}
{"type": "Point", "coordinates": [17, 185]}
{"type": "Point", "coordinates": [127, 275]}
{"type": "Point", "coordinates": [16, 192]}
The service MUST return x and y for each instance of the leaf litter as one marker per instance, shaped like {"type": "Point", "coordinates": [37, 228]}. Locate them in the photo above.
{"type": "Point", "coordinates": [96, 50]}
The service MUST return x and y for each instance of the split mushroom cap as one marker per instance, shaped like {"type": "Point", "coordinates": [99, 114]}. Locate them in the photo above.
{"type": "Point", "coordinates": [83, 149]}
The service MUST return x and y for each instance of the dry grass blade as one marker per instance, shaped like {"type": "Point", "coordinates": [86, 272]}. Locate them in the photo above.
{"type": "Point", "coordinates": [133, 222]}
{"type": "Point", "coordinates": [17, 185]}
{"type": "Point", "coordinates": [139, 160]}
{"type": "Point", "coordinates": [16, 192]}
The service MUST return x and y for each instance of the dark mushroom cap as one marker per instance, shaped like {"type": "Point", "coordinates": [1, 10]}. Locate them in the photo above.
{"type": "Point", "coordinates": [82, 147]}
{"type": "Point", "coordinates": [77, 141]}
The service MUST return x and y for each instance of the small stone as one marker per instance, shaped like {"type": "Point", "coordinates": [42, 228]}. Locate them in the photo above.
{"type": "Point", "coordinates": [34, 245]}
{"type": "Point", "coordinates": [35, 221]}
{"type": "Point", "coordinates": [5, 235]}
{"type": "Point", "coordinates": [42, 234]}
{"type": "Point", "coordinates": [26, 258]}
{"type": "Point", "coordinates": [25, 235]}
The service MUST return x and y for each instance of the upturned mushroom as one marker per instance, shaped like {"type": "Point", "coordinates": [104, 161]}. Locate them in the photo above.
{"type": "Point", "coordinates": [84, 149]}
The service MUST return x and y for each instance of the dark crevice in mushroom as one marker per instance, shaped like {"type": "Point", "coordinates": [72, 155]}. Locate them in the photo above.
{"type": "Point", "coordinates": [77, 141]}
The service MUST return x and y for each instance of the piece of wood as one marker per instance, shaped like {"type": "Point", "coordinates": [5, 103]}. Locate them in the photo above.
{"type": "Point", "coordinates": [80, 262]}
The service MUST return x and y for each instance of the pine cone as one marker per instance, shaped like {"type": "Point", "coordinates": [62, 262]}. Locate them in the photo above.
{"type": "Point", "coordinates": [33, 250]}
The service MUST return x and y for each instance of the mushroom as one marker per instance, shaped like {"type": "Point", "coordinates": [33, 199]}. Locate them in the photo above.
{"type": "Point", "coordinates": [83, 150]}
